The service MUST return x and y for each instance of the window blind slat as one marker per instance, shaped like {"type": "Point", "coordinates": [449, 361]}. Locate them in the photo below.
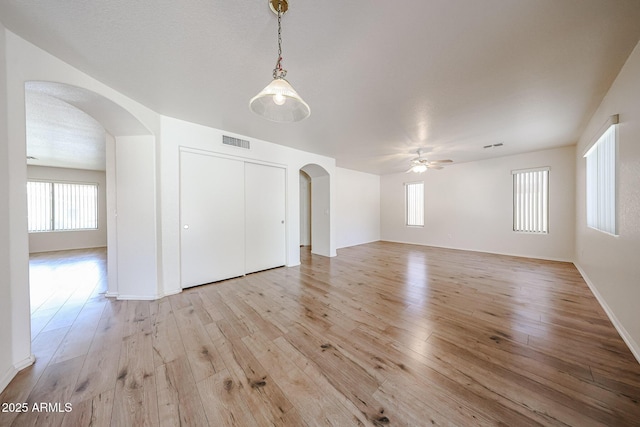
{"type": "Point", "coordinates": [55, 206]}
{"type": "Point", "coordinates": [530, 200]}
{"type": "Point", "coordinates": [414, 195]}
{"type": "Point", "coordinates": [601, 183]}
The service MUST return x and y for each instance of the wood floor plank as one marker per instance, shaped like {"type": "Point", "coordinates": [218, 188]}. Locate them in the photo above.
{"type": "Point", "coordinates": [550, 406]}
{"type": "Point", "coordinates": [80, 336]}
{"type": "Point", "coordinates": [314, 406]}
{"type": "Point", "coordinates": [97, 375]}
{"type": "Point", "coordinates": [55, 387]}
{"type": "Point", "coordinates": [199, 306]}
{"type": "Point", "coordinates": [110, 329]}
{"type": "Point", "coordinates": [202, 354]}
{"type": "Point", "coordinates": [93, 412]}
{"type": "Point", "coordinates": [436, 408]}
{"type": "Point", "coordinates": [136, 401]}
{"type": "Point", "coordinates": [267, 399]}
{"type": "Point", "coordinates": [178, 401]}
{"type": "Point", "coordinates": [226, 405]}
{"type": "Point", "coordinates": [167, 341]}
{"type": "Point", "coordinates": [138, 318]}
{"type": "Point", "coordinates": [384, 334]}
{"type": "Point", "coordinates": [319, 380]}
{"type": "Point", "coordinates": [345, 375]}
{"type": "Point", "coordinates": [448, 386]}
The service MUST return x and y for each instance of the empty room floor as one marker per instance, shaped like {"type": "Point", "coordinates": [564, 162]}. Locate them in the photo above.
{"type": "Point", "coordinates": [383, 334]}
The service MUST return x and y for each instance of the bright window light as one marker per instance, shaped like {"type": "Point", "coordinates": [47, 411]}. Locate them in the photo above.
{"type": "Point", "coordinates": [414, 204]}
{"type": "Point", "coordinates": [601, 183]}
{"type": "Point", "coordinates": [58, 206]}
{"type": "Point", "coordinates": [531, 200]}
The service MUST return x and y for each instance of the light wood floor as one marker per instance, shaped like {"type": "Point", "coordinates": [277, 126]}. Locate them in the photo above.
{"type": "Point", "coordinates": [383, 334]}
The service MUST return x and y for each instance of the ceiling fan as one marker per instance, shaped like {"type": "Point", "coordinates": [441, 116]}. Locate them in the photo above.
{"type": "Point", "coordinates": [421, 164]}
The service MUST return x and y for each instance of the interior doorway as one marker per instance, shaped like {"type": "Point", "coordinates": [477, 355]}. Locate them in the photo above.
{"type": "Point", "coordinates": [305, 209]}
{"type": "Point", "coordinates": [70, 141]}
{"type": "Point", "coordinates": [318, 205]}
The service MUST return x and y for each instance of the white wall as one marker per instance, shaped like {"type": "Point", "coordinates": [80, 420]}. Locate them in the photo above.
{"type": "Point", "coordinates": [357, 207]}
{"type": "Point", "coordinates": [136, 218]}
{"type": "Point", "coordinates": [470, 206]}
{"type": "Point", "coordinates": [305, 209]}
{"type": "Point", "coordinates": [19, 346]}
{"type": "Point", "coordinates": [178, 133]}
{"type": "Point", "coordinates": [320, 214]}
{"type": "Point", "coordinates": [29, 63]}
{"type": "Point", "coordinates": [7, 369]}
{"type": "Point", "coordinates": [63, 240]}
{"type": "Point", "coordinates": [25, 62]}
{"type": "Point", "coordinates": [610, 264]}
{"type": "Point", "coordinates": [322, 191]}
{"type": "Point", "coordinates": [112, 209]}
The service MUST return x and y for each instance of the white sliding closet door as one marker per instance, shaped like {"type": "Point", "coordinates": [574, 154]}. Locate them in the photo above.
{"type": "Point", "coordinates": [212, 218]}
{"type": "Point", "coordinates": [265, 245]}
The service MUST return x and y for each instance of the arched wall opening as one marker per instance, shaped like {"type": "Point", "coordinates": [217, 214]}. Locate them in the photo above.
{"type": "Point", "coordinates": [24, 63]}
{"type": "Point", "coordinates": [319, 206]}
{"type": "Point", "coordinates": [305, 209]}
{"type": "Point", "coordinates": [129, 165]}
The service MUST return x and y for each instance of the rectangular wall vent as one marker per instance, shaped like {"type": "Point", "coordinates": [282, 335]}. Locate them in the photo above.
{"type": "Point", "coordinates": [236, 142]}
{"type": "Point", "coordinates": [499, 144]}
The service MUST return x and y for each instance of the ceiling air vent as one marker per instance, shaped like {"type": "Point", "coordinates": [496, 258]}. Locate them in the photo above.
{"type": "Point", "coordinates": [499, 144]}
{"type": "Point", "coordinates": [236, 142]}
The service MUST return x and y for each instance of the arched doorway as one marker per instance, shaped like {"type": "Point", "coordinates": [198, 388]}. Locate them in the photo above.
{"type": "Point", "coordinates": [72, 128]}
{"type": "Point", "coordinates": [318, 205]}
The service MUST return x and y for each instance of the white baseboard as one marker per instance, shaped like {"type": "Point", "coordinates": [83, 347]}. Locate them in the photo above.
{"type": "Point", "coordinates": [360, 243]}
{"type": "Point", "coordinates": [626, 337]}
{"type": "Point", "coordinates": [13, 371]}
{"type": "Point", "coordinates": [25, 363]}
{"type": "Point", "coordinates": [481, 251]}
{"type": "Point", "coordinates": [172, 292]}
{"type": "Point", "coordinates": [141, 297]}
{"type": "Point", "coordinates": [7, 377]}
{"type": "Point", "coordinates": [121, 297]}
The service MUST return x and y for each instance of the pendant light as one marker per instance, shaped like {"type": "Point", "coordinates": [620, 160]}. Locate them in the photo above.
{"type": "Point", "coordinates": [278, 101]}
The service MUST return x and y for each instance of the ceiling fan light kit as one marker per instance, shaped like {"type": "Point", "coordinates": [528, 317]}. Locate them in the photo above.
{"type": "Point", "coordinates": [421, 164]}
{"type": "Point", "coordinates": [279, 102]}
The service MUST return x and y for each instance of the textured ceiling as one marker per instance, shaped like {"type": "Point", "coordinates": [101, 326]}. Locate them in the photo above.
{"type": "Point", "coordinates": [61, 135]}
{"type": "Point", "coordinates": [66, 125]}
{"type": "Point", "coordinates": [382, 79]}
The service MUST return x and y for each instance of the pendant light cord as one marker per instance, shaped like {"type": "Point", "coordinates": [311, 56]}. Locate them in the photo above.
{"type": "Point", "coordinates": [279, 72]}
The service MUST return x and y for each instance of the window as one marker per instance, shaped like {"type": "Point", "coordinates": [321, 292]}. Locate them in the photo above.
{"type": "Point", "coordinates": [414, 198]}
{"type": "Point", "coordinates": [531, 200]}
{"type": "Point", "coordinates": [59, 206]}
{"type": "Point", "coordinates": [601, 182]}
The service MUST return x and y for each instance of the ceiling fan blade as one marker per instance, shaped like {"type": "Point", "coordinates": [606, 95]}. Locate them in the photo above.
{"type": "Point", "coordinates": [435, 167]}
{"type": "Point", "coordinates": [441, 161]}
{"type": "Point", "coordinates": [409, 170]}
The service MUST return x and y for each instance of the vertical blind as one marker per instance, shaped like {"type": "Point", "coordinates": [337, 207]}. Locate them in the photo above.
{"type": "Point", "coordinates": [414, 195]}
{"type": "Point", "coordinates": [531, 200]}
{"type": "Point", "coordinates": [601, 183]}
{"type": "Point", "coordinates": [39, 206]}
{"type": "Point", "coordinates": [57, 206]}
